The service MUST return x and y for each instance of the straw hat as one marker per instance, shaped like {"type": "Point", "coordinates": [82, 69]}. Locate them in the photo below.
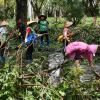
{"type": "Point", "coordinates": [3, 23]}
{"type": "Point", "coordinates": [67, 24]}
{"type": "Point", "coordinates": [31, 22]}
{"type": "Point", "coordinates": [45, 17]}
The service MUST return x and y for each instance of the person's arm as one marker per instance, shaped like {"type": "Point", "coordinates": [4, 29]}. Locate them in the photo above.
{"type": "Point", "coordinates": [70, 33]}
{"type": "Point", "coordinates": [98, 49]}
{"type": "Point", "coordinates": [47, 22]}
{"type": "Point", "coordinates": [26, 36]}
{"type": "Point", "coordinates": [65, 32]}
{"type": "Point", "coordinates": [38, 27]}
{"type": "Point", "coordinates": [90, 60]}
{"type": "Point", "coordinates": [27, 32]}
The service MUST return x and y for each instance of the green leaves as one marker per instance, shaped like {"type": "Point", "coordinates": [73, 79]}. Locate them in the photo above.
{"type": "Point", "coordinates": [8, 84]}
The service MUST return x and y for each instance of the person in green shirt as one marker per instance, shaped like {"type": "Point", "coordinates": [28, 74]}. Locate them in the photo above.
{"type": "Point", "coordinates": [43, 29]}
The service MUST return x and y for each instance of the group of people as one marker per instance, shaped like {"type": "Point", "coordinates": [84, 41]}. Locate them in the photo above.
{"type": "Point", "coordinates": [32, 31]}
{"type": "Point", "coordinates": [27, 33]}
{"type": "Point", "coordinates": [76, 50]}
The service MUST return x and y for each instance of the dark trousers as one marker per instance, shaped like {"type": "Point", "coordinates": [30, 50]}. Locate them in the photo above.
{"type": "Point", "coordinates": [29, 51]}
{"type": "Point", "coordinates": [2, 49]}
{"type": "Point", "coordinates": [2, 58]}
{"type": "Point", "coordinates": [65, 43]}
{"type": "Point", "coordinates": [42, 38]}
{"type": "Point", "coordinates": [98, 50]}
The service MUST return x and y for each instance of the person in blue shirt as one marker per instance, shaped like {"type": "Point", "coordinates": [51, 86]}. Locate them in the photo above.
{"type": "Point", "coordinates": [30, 39]}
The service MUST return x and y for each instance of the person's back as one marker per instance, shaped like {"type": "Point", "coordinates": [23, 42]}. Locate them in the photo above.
{"type": "Point", "coordinates": [77, 50]}
{"type": "Point", "coordinates": [43, 29]}
{"type": "Point", "coordinates": [43, 25]}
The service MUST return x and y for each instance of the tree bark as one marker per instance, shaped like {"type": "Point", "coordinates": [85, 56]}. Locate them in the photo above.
{"type": "Point", "coordinates": [60, 13]}
{"type": "Point", "coordinates": [5, 5]}
{"type": "Point", "coordinates": [21, 10]}
{"type": "Point", "coordinates": [37, 8]}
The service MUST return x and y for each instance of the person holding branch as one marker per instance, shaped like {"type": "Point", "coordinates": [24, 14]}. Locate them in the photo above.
{"type": "Point", "coordinates": [43, 29]}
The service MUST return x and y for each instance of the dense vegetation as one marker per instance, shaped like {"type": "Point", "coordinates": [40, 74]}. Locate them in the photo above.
{"type": "Point", "coordinates": [22, 81]}
{"type": "Point", "coordinates": [31, 82]}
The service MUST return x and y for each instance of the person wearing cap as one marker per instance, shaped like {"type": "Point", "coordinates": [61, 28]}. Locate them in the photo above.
{"type": "Point", "coordinates": [43, 29]}
{"type": "Point", "coordinates": [30, 38]}
{"type": "Point", "coordinates": [3, 36]}
{"type": "Point", "coordinates": [78, 50]}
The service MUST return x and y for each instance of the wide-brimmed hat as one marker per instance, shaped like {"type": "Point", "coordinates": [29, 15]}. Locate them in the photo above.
{"type": "Point", "coordinates": [31, 22]}
{"type": "Point", "coordinates": [68, 24]}
{"type": "Point", "coordinates": [3, 23]}
{"type": "Point", "coordinates": [45, 17]}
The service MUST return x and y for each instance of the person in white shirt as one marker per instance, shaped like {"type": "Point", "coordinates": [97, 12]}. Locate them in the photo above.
{"type": "Point", "coordinates": [3, 33]}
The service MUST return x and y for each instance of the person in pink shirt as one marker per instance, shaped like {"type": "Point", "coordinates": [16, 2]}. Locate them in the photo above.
{"type": "Point", "coordinates": [67, 33]}
{"type": "Point", "coordinates": [78, 50]}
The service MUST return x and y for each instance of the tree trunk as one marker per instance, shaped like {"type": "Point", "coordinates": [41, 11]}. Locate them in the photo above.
{"type": "Point", "coordinates": [60, 13]}
{"type": "Point", "coordinates": [84, 18]}
{"type": "Point", "coordinates": [36, 7]}
{"type": "Point", "coordinates": [21, 10]}
{"type": "Point", "coordinates": [5, 5]}
{"type": "Point", "coordinates": [55, 14]}
{"type": "Point", "coordinates": [94, 20]}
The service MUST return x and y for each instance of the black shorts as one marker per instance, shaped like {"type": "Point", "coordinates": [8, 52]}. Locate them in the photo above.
{"type": "Point", "coordinates": [77, 56]}
{"type": "Point", "coordinates": [98, 50]}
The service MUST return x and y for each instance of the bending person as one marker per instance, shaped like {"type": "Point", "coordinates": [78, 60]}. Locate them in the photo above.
{"type": "Point", "coordinates": [78, 50]}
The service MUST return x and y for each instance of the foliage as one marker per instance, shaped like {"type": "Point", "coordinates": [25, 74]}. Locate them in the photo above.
{"type": "Point", "coordinates": [13, 82]}
{"type": "Point", "coordinates": [7, 10]}
{"type": "Point", "coordinates": [21, 81]}
{"type": "Point", "coordinates": [8, 82]}
{"type": "Point", "coordinates": [74, 10]}
{"type": "Point", "coordinates": [37, 5]}
{"type": "Point", "coordinates": [88, 34]}
{"type": "Point", "coordinates": [91, 7]}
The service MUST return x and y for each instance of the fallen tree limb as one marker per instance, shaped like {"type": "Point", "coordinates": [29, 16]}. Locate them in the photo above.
{"type": "Point", "coordinates": [60, 66]}
{"type": "Point", "coordinates": [32, 85]}
{"type": "Point", "coordinates": [44, 72]}
{"type": "Point", "coordinates": [25, 77]}
{"type": "Point", "coordinates": [30, 75]}
{"type": "Point", "coordinates": [96, 73]}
